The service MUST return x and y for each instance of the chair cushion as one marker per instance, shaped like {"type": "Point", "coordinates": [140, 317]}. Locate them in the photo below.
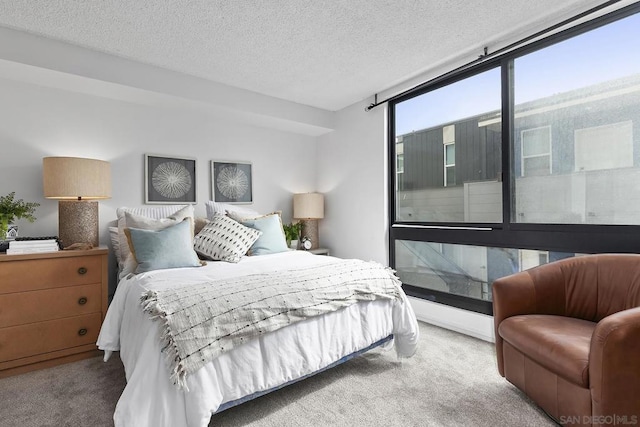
{"type": "Point", "coordinates": [560, 344]}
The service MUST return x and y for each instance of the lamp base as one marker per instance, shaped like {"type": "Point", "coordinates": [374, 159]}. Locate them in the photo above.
{"type": "Point", "coordinates": [310, 231]}
{"type": "Point", "coordinates": [78, 222]}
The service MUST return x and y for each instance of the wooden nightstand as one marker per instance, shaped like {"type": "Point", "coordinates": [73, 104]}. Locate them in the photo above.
{"type": "Point", "coordinates": [51, 308]}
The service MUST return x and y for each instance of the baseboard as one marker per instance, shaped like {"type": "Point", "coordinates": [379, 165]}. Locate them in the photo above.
{"type": "Point", "coordinates": [466, 322]}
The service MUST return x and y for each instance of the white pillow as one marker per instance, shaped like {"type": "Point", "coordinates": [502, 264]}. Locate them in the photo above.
{"type": "Point", "coordinates": [224, 239]}
{"type": "Point", "coordinates": [215, 208]}
{"type": "Point", "coordinates": [129, 218]}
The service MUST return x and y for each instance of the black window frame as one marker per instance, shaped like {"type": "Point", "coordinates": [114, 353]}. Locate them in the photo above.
{"type": "Point", "coordinates": [575, 238]}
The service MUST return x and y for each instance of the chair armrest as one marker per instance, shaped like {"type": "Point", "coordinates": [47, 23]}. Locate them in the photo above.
{"type": "Point", "coordinates": [614, 365]}
{"type": "Point", "coordinates": [512, 295]}
{"type": "Point", "coordinates": [539, 290]}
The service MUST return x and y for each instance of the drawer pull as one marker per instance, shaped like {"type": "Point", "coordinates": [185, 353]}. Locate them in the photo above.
{"type": "Point", "coordinates": [82, 270]}
{"type": "Point", "coordinates": [82, 332]}
{"type": "Point", "coordinates": [82, 301]}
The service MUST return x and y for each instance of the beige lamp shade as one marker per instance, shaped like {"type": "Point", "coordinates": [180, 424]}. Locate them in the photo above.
{"type": "Point", "coordinates": [308, 206]}
{"type": "Point", "coordinates": [77, 183]}
{"type": "Point", "coordinates": [75, 178]}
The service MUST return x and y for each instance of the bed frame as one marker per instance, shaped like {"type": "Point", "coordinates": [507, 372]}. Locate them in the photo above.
{"type": "Point", "coordinates": [232, 403]}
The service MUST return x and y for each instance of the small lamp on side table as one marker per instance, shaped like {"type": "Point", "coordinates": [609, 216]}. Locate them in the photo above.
{"type": "Point", "coordinates": [77, 183]}
{"type": "Point", "coordinates": [309, 208]}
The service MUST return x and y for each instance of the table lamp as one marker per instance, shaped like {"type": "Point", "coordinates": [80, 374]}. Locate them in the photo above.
{"type": "Point", "coordinates": [309, 208]}
{"type": "Point", "coordinates": [77, 183]}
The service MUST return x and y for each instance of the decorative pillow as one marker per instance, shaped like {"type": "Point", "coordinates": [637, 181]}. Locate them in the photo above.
{"type": "Point", "coordinates": [198, 224]}
{"type": "Point", "coordinates": [272, 239]}
{"type": "Point", "coordinates": [214, 208]}
{"type": "Point", "coordinates": [170, 247]}
{"type": "Point", "coordinates": [225, 239]}
{"type": "Point", "coordinates": [155, 212]}
{"type": "Point", "coordinates": [175, 213]}
{"type": "Point", "coordinates": [137, 221]}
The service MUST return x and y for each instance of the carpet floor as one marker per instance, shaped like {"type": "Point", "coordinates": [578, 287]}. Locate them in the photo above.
{"type": "Point", "coordinates": [451, 381]}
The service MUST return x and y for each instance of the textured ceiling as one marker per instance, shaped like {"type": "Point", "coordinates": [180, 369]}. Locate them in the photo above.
{"type": "Point", "coordinates": [322, 53]}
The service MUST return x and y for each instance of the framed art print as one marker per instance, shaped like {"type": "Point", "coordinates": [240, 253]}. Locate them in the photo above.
{"type": "Point", "coordinates": [231, 182]}
{"type": "Point", "coordinates": [169, 180]}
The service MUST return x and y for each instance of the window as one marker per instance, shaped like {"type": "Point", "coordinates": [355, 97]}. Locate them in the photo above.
{"type": "Point", "coordinates": [604, 147]}
{"type": "Point", "coordinates": [399, 163]}
{"type": "Point", "coordinates": [536, 151]}
{"type": "Point", "coordinates": [463, 270]}
{"type": "Point", "coordinates": [451, 163]}
{"type": "Point", "coordinates": [529, 259]}
{"type": "Point", "coordinates": [576, 122]}
{"type": "Point", "coordinates": [483, 196]}
{"type": "Point", "coordinates": [449, 141]}
{"type": "Point", "coordinates": [456, 269]}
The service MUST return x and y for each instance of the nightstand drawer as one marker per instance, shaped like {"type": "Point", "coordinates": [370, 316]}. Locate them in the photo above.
{"type": "Point", "coordinates": [33, 274]}
{"type": "Point", "coordinates": [36, 338]}
{"type": "Point", "coordinates": [37, 306]}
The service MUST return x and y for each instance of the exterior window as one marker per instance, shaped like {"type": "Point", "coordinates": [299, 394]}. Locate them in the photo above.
{"type": "Point", "coordinates": [449, 141]}
{"type": "Point", "coordinates": [451, 163]}
{"type": "Point", "coordinates": [529, 259]}
{"type": "Point", "coordinates": [604, 147]}
{"type": "Point", "coordinates": [399, 163]}
{"type": "Point", "coordinates": [463, 270]}
{"type": "Point", "coordinates": [588, 172]}
{"type": "Point", "coordinates": [518, 161]}
{"type": "Point", "coordinates": [536, 151]}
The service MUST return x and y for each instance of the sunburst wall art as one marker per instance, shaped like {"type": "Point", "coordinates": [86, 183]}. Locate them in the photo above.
{"type": "Point", "coordinates": [231, 182]}
{"type": "Point", "coordinates": [170, 179]}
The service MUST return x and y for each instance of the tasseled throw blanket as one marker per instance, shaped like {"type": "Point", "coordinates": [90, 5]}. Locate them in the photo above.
{"type": "Point", "coordinates": [202, 321]}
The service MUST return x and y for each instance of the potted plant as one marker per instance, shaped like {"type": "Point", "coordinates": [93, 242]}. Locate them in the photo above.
{"type": "Point", "coordinates": [292, 234]}
{"type": "Point", "coordinates": [12, 209]}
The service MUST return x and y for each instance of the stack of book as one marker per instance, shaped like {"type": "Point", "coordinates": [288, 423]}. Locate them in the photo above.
{"type": "Point", "coordinates": [32, 246]}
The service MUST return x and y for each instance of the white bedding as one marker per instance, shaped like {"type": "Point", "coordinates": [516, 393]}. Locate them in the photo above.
{"type": "Point", "coordinates": [150, 399]}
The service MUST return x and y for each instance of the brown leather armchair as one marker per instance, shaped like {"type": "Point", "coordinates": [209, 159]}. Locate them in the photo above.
{"type": "Point", "coordinates": [568, 335]}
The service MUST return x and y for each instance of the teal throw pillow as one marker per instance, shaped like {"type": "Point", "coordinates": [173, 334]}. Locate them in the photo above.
{"type": "Point", "coordinates": [272, 239]}
{"type": "Point", "coordinates": [171, 247]}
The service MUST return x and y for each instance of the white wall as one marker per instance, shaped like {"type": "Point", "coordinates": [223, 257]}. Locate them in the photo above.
{"type": "Point", "coordinates": [39, 122]}
{"type": "Point", "coordinates": [59, 99]}
{"type": "Point", "coordinates": [352, 175]}
{"type": "Point", "coordinates": [456, 319]}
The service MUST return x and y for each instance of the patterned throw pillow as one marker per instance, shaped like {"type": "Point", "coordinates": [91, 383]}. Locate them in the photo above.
{"type": "Point", "coordinates": [224, 239]}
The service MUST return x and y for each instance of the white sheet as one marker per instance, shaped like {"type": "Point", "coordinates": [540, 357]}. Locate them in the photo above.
{"type": "Point", "coordinates": [150, 399]}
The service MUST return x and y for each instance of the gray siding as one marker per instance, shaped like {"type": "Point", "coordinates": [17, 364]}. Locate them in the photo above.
{"type": "Point", "coordinates": [478, 156]}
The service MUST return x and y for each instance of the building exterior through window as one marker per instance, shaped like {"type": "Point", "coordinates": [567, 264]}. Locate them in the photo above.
{"type": "Point", "coordinates": [471, 203]}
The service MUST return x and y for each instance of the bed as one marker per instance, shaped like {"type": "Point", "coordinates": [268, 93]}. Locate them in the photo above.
{"type": "Point", "coordinates": [153, 397]}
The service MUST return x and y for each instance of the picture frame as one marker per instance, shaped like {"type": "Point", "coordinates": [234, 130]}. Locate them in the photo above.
{"type": "Point", "coordinates": [231, 181]}
{"type": "Point", "coordinates": [169, 179]}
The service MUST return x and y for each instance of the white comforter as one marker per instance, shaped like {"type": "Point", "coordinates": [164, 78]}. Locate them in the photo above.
{"type": "Point", "coordinates": [150, 399]}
